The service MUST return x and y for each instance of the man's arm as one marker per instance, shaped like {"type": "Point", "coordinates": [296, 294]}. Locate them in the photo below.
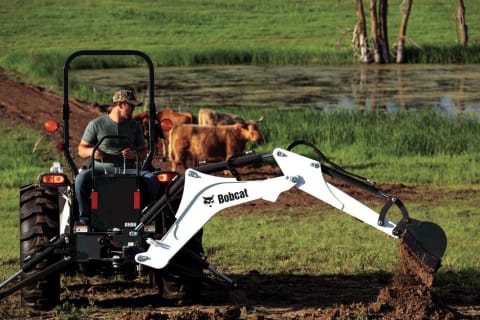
{"type": "Point", "coordinates": [85, 150]}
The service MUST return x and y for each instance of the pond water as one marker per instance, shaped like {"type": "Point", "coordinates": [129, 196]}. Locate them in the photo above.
{"type": "Point", "coordinates": [449, 89]}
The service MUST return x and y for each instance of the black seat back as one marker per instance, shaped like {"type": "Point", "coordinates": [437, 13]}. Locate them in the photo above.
{"type": "Point", "coordinates": [116, 202]}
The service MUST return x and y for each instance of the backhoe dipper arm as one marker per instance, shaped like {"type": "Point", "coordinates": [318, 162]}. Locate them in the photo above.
{"type": "Point", "coordinates": [313, 183]}
{"type": "Point", "coordinates": [204, 195]}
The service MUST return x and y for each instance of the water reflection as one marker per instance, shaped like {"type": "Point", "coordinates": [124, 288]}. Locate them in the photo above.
{"type": "Point", "coordinates": [448, 89]}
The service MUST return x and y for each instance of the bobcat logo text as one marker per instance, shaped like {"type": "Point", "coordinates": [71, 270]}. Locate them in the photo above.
{"type": "Point", "coordinates": [232, 196]}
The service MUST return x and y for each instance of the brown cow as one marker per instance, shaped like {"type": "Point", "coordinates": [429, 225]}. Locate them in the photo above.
{"type": "Point", "coordinates": [210, 117]}
{"type": "Point", "coordinates": [143, 119]}
{"type": "Point", "coordinates": [210, 142]}
{"type": "Point", "coordinates": [177, 118]}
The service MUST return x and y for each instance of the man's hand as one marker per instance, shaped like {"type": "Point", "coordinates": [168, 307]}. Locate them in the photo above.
{"type": "Point", "coordinates": [98, 154]}
{"type": "Point", "coordinates": [128, 153]}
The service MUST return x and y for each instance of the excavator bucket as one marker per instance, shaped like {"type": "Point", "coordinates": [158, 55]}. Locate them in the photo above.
{"type": "Point", "coordinates": [425, 240]}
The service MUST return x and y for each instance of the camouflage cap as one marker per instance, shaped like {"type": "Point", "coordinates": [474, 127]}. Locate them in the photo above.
{"type": "Point", "coordinates": [126, 96]}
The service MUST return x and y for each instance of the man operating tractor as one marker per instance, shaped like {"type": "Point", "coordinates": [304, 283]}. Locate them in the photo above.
{"type": "Point", "coordinates": [113, 154]}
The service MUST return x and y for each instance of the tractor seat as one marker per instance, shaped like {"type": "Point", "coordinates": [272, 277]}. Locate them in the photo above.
{"type": "Point", "coordinates": [116, 202]}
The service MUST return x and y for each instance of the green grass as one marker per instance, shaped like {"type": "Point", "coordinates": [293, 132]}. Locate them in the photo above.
{"type": "Point", "coordinates": [322, 240]}
{"type": "Point", "coordinates": [297, 241]}
{"type": "Point", "coordinates": [37, 36]}
{"type": "Point", "coordinates": [25, 155]}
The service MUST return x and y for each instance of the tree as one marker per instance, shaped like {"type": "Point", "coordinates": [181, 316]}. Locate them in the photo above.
{"type": "Point", "coordinates": [360, 38]}
{"type": "Point", "coordinates": [373, 28]}
{"type": "Point", "coordinates": [462, 30]}
{"type": "Point", "coordinates": [382, 31]}
{"type": "Point", "coordinates": [401, 56]}
{"type": "Point", "coordinates": [380, 53]}
{"type": "Point", "coordinates": [378, 28]}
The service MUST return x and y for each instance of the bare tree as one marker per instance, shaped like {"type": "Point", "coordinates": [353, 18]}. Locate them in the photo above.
{"type": "Point", "coordinates": [462, 30]}
{"type": "Point", "coordinates": [360, 39]}
{"type": "Point", "coordinates": [378, 28]}
{"type": "Point", "coordinates": [382, 31]}
{"type": "Point", "coordinates": [379, 52]}
{"type": "Point", "coordinates": [401, 56]}
{"type": "Point", "coordinates": [373, 30]}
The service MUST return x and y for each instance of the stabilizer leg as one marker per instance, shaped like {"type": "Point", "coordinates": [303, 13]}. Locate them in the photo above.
{"type": "Point", "coordinates": [33, 261]}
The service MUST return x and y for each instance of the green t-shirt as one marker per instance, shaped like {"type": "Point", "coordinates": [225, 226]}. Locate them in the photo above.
{"type": "Point", "coordinates": [112, 147]}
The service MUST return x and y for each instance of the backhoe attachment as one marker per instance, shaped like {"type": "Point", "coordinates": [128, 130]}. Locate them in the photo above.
{"type": "Point", "coordinates": [204, 195]}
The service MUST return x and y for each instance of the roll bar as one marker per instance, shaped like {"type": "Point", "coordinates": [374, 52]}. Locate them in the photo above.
{"type": "Point", "coordinates": [66, 106]}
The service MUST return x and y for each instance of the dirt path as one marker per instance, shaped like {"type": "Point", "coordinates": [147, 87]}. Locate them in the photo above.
{"type": "Point", "coordinates": [278, 296]}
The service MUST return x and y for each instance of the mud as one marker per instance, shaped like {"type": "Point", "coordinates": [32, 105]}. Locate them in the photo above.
{"type": "Point", "coordinates": [411, 267]}
{"type": "Point", "coordinates": [410, 293]}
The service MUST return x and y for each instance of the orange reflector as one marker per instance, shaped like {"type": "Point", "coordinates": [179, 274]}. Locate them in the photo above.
{"type": "Point", "coordinates": [54, 178]}
{"type": "Point", "coordinates": [51, 125]}
{"type": "Point", "coordinates": [94, 203]}
{"type": "Point", "coordinates": [166, 177]}
{"type": "Point", "coordinates": [136, 200]}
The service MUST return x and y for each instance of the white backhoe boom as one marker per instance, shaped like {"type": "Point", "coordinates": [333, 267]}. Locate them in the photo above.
{"type": "Point", "coordinates": [204, 195]}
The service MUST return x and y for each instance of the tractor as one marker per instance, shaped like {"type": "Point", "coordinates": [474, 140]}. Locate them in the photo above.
{"type": "Point", "coordinates": [137, 232]}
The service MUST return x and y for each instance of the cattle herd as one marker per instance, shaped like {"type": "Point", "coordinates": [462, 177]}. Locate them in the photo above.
{"type": "Point", "coordinates": [213, 136]}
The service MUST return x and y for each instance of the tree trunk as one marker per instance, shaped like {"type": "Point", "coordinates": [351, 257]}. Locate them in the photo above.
{"type": "Point", "coordinates": [360, 40]}
{"type": "Point", "coordinates": [378, 27]}
{"type": "Point", "coordinates": [461, 24]}
{"type": "Point", "coordinates": [401, 56]}
{"type": "Point", "coordinates": [373, 30]}
{"type": "Point", "coordinates": [383, 31]}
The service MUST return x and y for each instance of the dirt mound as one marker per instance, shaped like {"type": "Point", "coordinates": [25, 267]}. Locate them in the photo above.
{"type": "Point", "coordinates": [411, 295]}
{"type": "Point", "coordinates": [410, 302]}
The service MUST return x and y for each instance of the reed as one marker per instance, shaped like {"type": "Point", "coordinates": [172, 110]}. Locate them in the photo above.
{"type": "Point", "coordinates": [396, 134]}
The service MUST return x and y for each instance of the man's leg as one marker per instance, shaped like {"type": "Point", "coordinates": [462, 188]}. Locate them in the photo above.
{"type": "Point", "coordinates": [150, 184]}
{"type": "Point", "coordinates": [83, 185]}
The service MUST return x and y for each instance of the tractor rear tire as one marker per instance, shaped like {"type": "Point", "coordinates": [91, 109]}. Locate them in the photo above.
{"type": "Point", "coordinates": [39, 223]}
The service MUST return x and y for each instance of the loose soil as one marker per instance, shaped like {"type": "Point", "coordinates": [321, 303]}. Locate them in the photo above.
{"type": "Point", "coordinates": [409, 293]}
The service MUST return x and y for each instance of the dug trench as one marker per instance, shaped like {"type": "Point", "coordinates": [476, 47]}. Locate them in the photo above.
{"type": "Point", "coordinates": [410, 293]}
